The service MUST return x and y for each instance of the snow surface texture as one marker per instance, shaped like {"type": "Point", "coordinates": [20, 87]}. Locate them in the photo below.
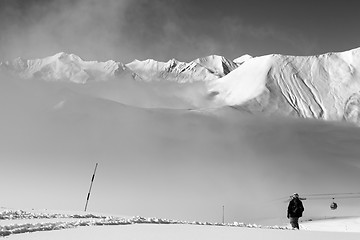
{"type": "Point", "coordinates": [322, 87]}
{"type": "Point", "coordinates": [19, 224]}
{"type": "Point", "coordinates": [56, 221]}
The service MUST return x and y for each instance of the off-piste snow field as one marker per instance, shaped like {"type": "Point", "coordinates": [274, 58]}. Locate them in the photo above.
{"type": "Point", "coordinates": [60, 225]}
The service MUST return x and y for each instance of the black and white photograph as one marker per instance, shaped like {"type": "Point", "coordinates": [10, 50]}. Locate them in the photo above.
{"type": "Point", "coordinates": [179, 119]}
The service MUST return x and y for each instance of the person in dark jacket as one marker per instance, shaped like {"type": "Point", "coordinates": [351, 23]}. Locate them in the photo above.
{"type": "Point", "coordinates": [295, 210]}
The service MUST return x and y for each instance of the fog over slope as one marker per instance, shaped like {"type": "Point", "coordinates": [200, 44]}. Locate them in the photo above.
{"type": "Point", "coordinates": [180, 149]}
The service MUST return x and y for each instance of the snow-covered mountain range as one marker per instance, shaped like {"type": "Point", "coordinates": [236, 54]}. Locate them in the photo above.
{"type": "Point", "coordinates": [71, 68]}
{"type": "Point", "coordinates": [322, 87]}
{"type": "Point", "coordinates": [63, 67]}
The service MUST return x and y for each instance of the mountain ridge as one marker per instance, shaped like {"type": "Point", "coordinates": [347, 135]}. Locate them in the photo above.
{"type": "Point", "coordinates": [68, 66]}
{"type": "Point", "coordinates": [325, 86]}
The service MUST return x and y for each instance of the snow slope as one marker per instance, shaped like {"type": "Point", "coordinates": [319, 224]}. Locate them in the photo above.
{"type": "Point", "coordinates": [90, 226]}
{"type": "Point", "coordinates": [185, 163]}
{"type": "Point", "coordinates": [181, 232]}
{"type": "Point", "coordinates": [321, 87]}
{"type": "Point", "coordinates": [187, 148]}
{"type": "Point", "coordinates": [349, 224]}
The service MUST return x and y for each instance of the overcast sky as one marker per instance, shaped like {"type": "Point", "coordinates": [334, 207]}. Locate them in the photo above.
{"type": "Point", "coordinates": [163, 29]}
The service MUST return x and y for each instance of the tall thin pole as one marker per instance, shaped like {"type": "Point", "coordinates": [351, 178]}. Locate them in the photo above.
{"type": "Point", "coordinates": [223, 215]}
{"type": "Point", "coordinates": [92, 180]}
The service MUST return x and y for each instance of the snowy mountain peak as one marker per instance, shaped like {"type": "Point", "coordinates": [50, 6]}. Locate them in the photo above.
{"type": "Point", "coordinates": [66, 56]}
{"type": "Point", "coordinates": [17, 64]}
{"type": "Point", "coordinates": [217, 64]}
{"type": "Point", "coordinates": [63, 67]}
{"type": "Point", "coordinates": [240, 60]}
{"type": "Point", "coordinates": [201, 69]}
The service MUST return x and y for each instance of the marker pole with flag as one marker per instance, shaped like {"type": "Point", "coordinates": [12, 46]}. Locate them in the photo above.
{"type": "Point", "coordinates": [92, 180]}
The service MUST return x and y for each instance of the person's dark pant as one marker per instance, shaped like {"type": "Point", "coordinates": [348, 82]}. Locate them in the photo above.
{"type": "Point", "coordinates": [294, 221]}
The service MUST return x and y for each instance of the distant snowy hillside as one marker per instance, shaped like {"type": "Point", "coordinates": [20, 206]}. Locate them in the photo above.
{"type": "Point", "coordinates": [322, 87]}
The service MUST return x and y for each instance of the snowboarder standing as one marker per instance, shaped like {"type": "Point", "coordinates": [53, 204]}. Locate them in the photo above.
{"type": "Point", "coordinates": [295, 210]}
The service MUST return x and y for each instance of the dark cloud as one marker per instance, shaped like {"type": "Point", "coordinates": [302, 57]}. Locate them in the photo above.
{"type": "Point", "coordinates": [25, 13]}
{"type": "Point", "coordinates": [122, 30]}
{"type": "Point", "coordinates": [163, 29]}
{"type": "Point", "coordinates": [86, 27]}
{"type": "Point", "coordinates": [187, 30]}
